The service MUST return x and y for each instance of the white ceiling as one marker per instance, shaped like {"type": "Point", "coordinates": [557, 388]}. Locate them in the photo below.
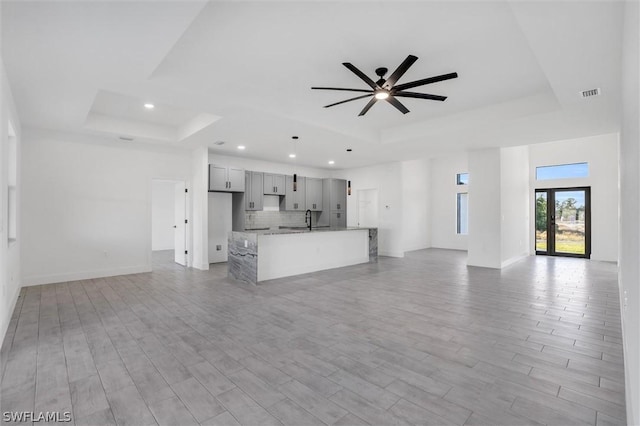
{"type": "Point", "coordinates": [248, 67]}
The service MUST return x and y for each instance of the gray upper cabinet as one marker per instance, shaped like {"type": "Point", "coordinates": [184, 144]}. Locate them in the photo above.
{"type": "Point", "coordinates": [274, 184]}
{"type": "Point", "coordinates": [253, 193]}
{"type": "Point", "coordinates": [314, 194]}
{"type": "Point", "coordinates": [338, 219]}
{"type": "Point", "coordinates": [295, 200]}
{"type": "Point", "coordinates": [226, 179]}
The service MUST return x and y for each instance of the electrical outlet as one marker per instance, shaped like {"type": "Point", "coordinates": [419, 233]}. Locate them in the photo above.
{"type": "Point", "coordinates": [246, 243]}
{"type": "Point", "coordinates": [625, 301]}
{"type": "Point", "coordinates": [218, 247]}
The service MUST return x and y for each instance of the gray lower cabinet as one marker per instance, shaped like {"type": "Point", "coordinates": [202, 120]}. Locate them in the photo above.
{"type": "Point", "coordinates": [295, 200]}
{"type": "Point", "coordinates": [314, 194]}
{"type": "Point", "coordinates": [226, 179]}
{"type": "Point", "coordinates": [338, 219]}
{"type": "Point", "coordinates": [274, 184]}
{"type": "Point", "coordinates": [253, 193]}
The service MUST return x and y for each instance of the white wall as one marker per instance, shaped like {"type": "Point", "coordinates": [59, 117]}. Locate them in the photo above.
{"type": "Point", "coordinates": [199, 253]}
{"type": "Point", "coordinates": [416, 220]}
{"type": "Point", "coordinates": [268, 166]}
{"type": "Point", "coordinates": [629, 244]}
{"type": "Point", "coordinates": [514, 204]}
{"type": "Point", "coordinates": [601, 152]}
{"type": "Point", "coordinates": [162, 215]}
{"type": "Point", "coordinates": [387, 179]}
{"type": "Point", "coordinates": [484, 242]}
{"type": "Point", "coordinates": [443, 191]}
{"type": "Point", "coordinates": [87, 204]}
{"type": "Point", "coordinates": [10, 275]}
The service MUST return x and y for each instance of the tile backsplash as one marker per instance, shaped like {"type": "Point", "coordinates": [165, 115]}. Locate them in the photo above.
{"type": "Point", "coordinates": [275, 219]}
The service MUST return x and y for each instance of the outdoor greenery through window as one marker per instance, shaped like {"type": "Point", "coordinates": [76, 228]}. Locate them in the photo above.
{"type": "Point", "coordinates": [562, 171]}
{"type": "Point", "coordinates": [462, 179]}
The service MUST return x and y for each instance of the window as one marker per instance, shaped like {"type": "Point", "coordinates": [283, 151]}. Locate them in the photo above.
{"type": "Point", "coordinates": [462, 179]}
{"type": "Point", "coordinates": [562, 171]}
{"type": "Point", "coordinates": [12, 177]}
{"type": "Point", "coordinates": [462, 203]}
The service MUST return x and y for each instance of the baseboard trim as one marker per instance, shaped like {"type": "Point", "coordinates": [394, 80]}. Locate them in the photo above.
{"type": "Point", "coordinates": [6, 321]}
{"type": "Point", "coordinates": [391, 253]}
{"type": "Point", "coordinates": [514, 260]}
{"type": "Point", "coordinates": [84, 275]}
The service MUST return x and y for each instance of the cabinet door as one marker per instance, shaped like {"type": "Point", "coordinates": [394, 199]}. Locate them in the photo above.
{"type": "Point", "coordinates": [236, 179]}
{"type": "Point", "coordinates": [257, 186]}
{"type": "Point", "coordinates": [269, 188]}
{"type": "Point", "coordinates": [314, 194]}
{"type": "Point", "coordinates": [338, 219]}
{"type": "Point", "coordinates": [218, 178]}
{"type": "Point", "coordinates": [339, 194]}
{"type": "Point", "coordinates": [280, 184]}
{"type": "Point", "coordinates": [295, 200]}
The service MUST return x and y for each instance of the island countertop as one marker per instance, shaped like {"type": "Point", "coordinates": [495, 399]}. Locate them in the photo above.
{"type": "Point", "coordinates": [300, 230]}
{"type": "Point", "coordinates": [262, 254]}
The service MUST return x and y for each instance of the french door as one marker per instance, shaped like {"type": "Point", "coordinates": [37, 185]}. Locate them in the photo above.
{"type": "Point", "coordinates": [563, 221]}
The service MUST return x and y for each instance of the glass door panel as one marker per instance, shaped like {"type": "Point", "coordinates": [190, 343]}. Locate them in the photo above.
{"type": "Point", "coordinates": [562, 222]}
{"type": "Point", "coordinates": [570, 229]}
{"type": "Point", "coordinates": [542, 223]}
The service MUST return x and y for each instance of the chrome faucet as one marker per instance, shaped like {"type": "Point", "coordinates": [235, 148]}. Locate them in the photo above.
{"type": "Point", "coordinates": [307, 218]}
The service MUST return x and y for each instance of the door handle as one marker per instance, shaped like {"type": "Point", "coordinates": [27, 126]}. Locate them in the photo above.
{"type": "Point", "coordinates": [175, 226]}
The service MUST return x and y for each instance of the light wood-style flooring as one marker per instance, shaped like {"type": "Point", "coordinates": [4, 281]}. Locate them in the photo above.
{"type": "Point", "coordinates": [419, 340]}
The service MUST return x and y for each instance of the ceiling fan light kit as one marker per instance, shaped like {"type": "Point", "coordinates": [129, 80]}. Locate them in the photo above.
{"type": "Point", "coordinates": [386, 89]}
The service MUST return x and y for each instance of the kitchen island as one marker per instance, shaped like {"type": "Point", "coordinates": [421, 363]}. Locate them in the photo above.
{"type": "Point", "coordinates": [256, 256]}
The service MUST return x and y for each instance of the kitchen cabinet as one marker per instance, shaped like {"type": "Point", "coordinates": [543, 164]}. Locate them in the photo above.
{"type": "Point", "coordinates": [314, 194]}
{"type": "Point", "coordinates": [253, 192]}
{"type": "Point", "coordinates": [295, 200]}
{"type": "Point", "coordinates": [334, 197]}
{"type": "Point", "coordinates": [274, 184]}
{"type": "Point", "coordinates": [226, 179]}
{"type": "Point", "coordinates": [338, 219]}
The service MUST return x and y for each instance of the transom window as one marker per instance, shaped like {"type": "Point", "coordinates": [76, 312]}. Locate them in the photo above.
{"type": "Point", "coordinates": [562, 171]}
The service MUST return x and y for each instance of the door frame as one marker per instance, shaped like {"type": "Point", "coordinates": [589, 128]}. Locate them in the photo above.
{"type": "Point", "coordinates": [551, 221]}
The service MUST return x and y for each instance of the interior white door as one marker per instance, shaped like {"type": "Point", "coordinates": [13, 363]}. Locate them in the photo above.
{"type": "Point", "coordinates": [180, 227]}
{"type": "Point", "coordinates": [368, 208]}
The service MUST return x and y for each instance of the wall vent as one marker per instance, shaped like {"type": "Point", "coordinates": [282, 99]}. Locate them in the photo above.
{"type": "Point", "coordinates": [125, 138]}
{"type": "Point", "coordinates": [219, 143]}
{"type": "Point", "coordinates": [591, 92]}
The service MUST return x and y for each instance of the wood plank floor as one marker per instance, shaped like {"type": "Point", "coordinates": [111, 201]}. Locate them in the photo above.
{"type": "Point", "coordinates": [419, 340]}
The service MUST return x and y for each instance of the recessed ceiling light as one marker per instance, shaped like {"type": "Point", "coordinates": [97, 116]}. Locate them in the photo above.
{"type": "Point", "coordinates": [149, 106]}
{"type": "Point", "coordinates": [292, 156]}
{"type": "Point", "coordinates": [241, 147]}
{"type": "Point", "coordinates": [332, 162]}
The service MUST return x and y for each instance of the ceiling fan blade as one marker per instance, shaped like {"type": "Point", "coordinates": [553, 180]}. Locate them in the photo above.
{"type": "Point", "coordinates": [360, 74]}
{"type": "Point", "coordinates": [396, 103]}
{"type": "Point", "coordinates": [426, 81]}
{"type": "Point", "coordinates": [399, 72]}
{"type": "Point", "coordinates": [348, 100]}
{"type": "Point", "coordinates": [420, 96]}
{"type": "Point", "coordinates": [343, 89]}
{"type": "Point", "coordinates": [368, 106]}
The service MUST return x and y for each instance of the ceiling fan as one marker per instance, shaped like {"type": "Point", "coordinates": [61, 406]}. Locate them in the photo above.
{"type": "Point", "coordinates": [387, 89]}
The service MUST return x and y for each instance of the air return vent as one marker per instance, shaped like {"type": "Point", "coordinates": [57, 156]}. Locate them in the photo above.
{"type": "Point", "coordinates": [590, 92]}
{"type": "Point", "coordinates": [125, 138]}
{"type": "Point", "coordinates": [219, 143]}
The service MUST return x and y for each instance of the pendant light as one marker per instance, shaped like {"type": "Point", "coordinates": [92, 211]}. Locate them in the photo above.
{"type": "Point", "coordinates": [295, 176]}
{"type": "Point", "coordinates": [348, 187]}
